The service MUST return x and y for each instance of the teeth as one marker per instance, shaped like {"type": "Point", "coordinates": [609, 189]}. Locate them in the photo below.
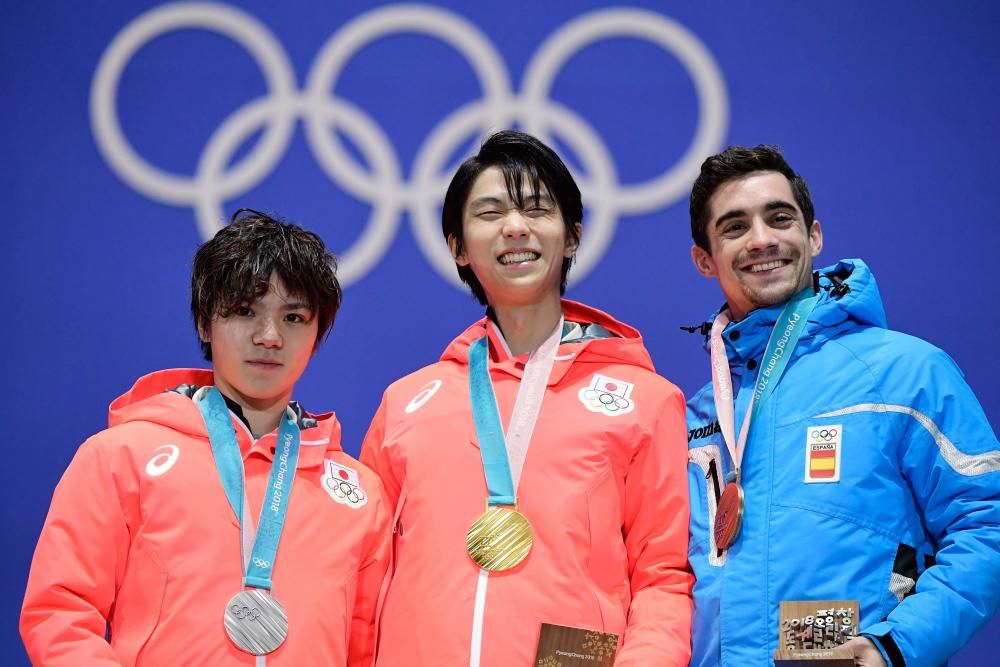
{"type": "Point", "coordinates": [756, 268]}
{"type": "Point", "coordinates": [514, 257]}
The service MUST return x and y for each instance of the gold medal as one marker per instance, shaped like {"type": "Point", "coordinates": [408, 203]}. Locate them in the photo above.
{"type": "Point", "coordinates": [729, 515]}
{"type": "Point", "coordinates": [499, 539]}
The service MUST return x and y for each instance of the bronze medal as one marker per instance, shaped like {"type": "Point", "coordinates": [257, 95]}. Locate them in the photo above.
{"type": "Point", "coordinates": [729, 515]}
{"type": "Point", "coordinates": [499, 539]}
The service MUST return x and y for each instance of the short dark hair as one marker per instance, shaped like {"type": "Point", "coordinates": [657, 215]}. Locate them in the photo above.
{"type": "Point", "coordinates": [235, 267]}
{"type": "Point", "coordinates": [518, 156]}
{"type": "Point", "coordinates": [735, 162]}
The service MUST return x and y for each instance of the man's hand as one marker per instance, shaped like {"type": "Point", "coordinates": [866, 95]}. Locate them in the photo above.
{"type": "Point", "coordinates": [865, 652]}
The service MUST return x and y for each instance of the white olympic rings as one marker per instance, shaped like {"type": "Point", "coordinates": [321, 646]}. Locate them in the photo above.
{"type": "Point", "coordinates": [382, 183]}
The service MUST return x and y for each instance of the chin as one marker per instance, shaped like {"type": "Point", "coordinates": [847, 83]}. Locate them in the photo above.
{"type": "Point", "coordinates": [772, 296]}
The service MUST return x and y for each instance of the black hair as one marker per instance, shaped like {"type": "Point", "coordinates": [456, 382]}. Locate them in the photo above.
{"type": "Point", "coordinates": [235, 267]}
{"type": "Point", "coordinates": [518, 156]}
{"type": "Point", "coordinates": [733, 163]}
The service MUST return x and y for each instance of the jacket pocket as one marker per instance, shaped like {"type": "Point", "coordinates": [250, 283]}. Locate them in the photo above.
{"type": "Point", "coordinates": [139, 602]}
{"type": "Point", "coordinates": [706, 484]}
{"type": "Point", "coordinates": [608, 561]}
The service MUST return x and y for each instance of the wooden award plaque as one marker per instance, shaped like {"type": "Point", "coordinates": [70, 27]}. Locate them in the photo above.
{"type": "Point", "coordinates": [810, 633]}
{"type": "Point", "coordinates": [562, 646]}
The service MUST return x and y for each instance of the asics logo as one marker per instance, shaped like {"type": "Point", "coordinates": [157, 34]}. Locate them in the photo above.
{"type": "Point", "coordinates": [164, 461]}
{"type": "Point", "coordinates": [425, 394]}
{"type": "Point", "coordinates": [381, 183]}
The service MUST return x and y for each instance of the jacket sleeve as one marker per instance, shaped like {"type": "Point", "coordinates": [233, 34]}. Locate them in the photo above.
{"type": "Point", "coordinates": [374, 456]}
{"type": "Point", "coordinates": [951, 459]}
{"type": "Point", "coordinates": [656, 540]}
{"type": "Point", "coordinates": [80, 555]}
{"type": "Point", "coordinates": [361, 649]}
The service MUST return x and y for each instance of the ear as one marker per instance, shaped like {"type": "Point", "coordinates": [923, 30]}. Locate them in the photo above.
{"type": "Point", "coordinates": [816, 238]}
{"type": "Point", "coordinates": [572, 245]}
{"type": "Point", "coordinates": [204, 333]}
{"type": "Point", "coordinates": [458, 255]}
{"type": "Point", "coordinates": [703, 262]}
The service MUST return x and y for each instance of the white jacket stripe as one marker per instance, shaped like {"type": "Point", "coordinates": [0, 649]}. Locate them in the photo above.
{"type": "Point", "coordinates": [962, 463]}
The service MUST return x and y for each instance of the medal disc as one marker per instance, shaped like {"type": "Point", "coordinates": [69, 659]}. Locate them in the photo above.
{"type": "Point", "coordinates": [499, 539]}
{"type": "Point", "coordinates": [729, 515]}
{"type": "Point", "coordinates": [255, 622]}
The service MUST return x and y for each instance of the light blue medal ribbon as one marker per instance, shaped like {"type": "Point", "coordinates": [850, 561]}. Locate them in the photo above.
{"type": "Point", "coordinates": [777, 353]}
{"type": "Point", "coordinates": [489, 432]}
{"type": "Point", "coordinates": [783, 339]}
{"type": "Point", "coordinates": [229, 463]}
{"type": "Point", "coordinates": [788, 328]}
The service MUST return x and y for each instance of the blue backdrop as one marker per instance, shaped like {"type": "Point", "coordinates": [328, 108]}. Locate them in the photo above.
{"type": "Point", "coordinates": [131, 128]}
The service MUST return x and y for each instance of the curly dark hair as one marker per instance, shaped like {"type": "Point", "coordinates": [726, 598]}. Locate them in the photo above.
{"type": "Point", "coordinates": [235, 268]}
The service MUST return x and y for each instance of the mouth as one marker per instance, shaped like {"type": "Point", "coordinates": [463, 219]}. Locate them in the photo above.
{"type": "Point", "coordinates": [264, 364]}
{"type": "Point", "coordinates": [770, 265]}
{"type": "Point", "coordinates": [518, 257]}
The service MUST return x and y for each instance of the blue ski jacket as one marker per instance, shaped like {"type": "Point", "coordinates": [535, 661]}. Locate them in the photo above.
{"type": "Point", "coordinates": [900, 510]}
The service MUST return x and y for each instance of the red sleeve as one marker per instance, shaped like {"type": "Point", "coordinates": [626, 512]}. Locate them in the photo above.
{"type": "Point", "coordinates": [361, 648]}
{"type": "Point", "coordinates": [374, 456]}
{"type": "Point", "coordinates": [656, 540]}
{"type": "Point", "coordinates": [80, 556]}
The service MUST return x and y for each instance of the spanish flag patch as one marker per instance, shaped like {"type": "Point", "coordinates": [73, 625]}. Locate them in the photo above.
{"type": "Point", "coordinates": [823, 453]}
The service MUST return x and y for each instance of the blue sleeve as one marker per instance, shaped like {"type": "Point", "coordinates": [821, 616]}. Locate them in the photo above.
{"type": "Point", "coordinates": [950, 457]}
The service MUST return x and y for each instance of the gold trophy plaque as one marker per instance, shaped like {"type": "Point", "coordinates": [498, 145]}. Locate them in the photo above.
{"type": "Point", "coordinates": [811, 632]}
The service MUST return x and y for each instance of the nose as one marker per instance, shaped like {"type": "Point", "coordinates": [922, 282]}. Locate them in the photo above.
{"type": "Point", "coordinates": [761, 236]}
{"type": "Point", "coordinates": [515, 225]}
{"type": "Point", "coordinates": [267, 333]}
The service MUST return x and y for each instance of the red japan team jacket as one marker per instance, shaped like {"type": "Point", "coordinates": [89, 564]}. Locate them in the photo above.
{"type": "Point", "coordinates": [604, 486]}
{"type": "Point", "coordinates": [140, 540]}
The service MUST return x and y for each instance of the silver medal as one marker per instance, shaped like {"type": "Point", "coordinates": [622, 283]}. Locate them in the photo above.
{"type": "Point", "coordinates": [255, 622]}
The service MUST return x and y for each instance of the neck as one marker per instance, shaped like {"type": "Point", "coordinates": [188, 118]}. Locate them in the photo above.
{"type": "Point", "coordinates": [525, 327]}
{"type": "Point", "coordinates": [263, 415]}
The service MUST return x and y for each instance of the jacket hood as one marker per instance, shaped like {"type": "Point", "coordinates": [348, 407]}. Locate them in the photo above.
{"type": "Point", "coordinates": [624, 346]}
{"type": "Point", "coordinates": [152, 399]}
{"type": "Point", "coordinates": [848, 296]}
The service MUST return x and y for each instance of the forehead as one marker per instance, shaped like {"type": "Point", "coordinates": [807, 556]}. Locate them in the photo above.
{"type": "Point", "coordinates": [750, 192]}
{"type": "Point", "coordinates": [491, 185]}
{"type": "Point", "coordinates": [278, 292]}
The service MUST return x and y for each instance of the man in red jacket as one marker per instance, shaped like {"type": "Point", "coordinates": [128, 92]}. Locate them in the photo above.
{"type": "Point", "coordinates": [548, 415]}
{"type": "Point", "coordinates": [161, 544]}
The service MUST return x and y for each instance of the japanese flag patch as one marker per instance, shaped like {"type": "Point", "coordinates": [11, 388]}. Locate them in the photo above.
{"type": "Point", "coordinates": [823, 453]}
{"type": "Point", "coordinates": [608, 396]}
{"type": "Point", "coordinates": [343, 485]}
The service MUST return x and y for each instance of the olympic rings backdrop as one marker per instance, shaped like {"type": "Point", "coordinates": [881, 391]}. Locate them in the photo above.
{"type": "Point", "coordinates": [132, 129]}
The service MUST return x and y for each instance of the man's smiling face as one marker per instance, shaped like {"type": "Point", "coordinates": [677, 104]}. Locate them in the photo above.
{"type": "Point", "coordinates": [761, 248]}
{"type": "Point", "coordinates": [516, 252]}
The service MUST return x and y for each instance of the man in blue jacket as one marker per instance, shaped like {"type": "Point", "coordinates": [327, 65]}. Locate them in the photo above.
{"type": "Point", "coordinates": [829, 458]}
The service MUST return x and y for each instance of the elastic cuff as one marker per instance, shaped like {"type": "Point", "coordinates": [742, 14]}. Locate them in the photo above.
{"type": "Point", "coordinates": [886, 645]}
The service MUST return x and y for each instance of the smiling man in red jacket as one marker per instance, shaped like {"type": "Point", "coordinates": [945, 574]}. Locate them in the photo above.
{"type": "Point", "coordinates": [548, 415]}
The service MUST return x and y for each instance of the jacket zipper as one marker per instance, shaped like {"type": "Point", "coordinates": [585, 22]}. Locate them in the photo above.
{"type": "Point", "coordinates": [478, 611]}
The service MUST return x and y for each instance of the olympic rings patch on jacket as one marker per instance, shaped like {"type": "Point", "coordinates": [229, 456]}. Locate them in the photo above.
{"type": "Point", "coordinates": [343, 485]}
{"type": "Point", "coordinates": [608, 396]}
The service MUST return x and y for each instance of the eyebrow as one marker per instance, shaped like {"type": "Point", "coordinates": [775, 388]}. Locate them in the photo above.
{"type": "Point", "coordinates": [484, 201]}
{"type": "Point", "coordinates": [490, 200]}
{"type": "Point", "coordinates": [296, 305]}
{"type": "Point", "coordinates": [541, 199]}
{"type": "Point", "coordinates": [774, 205]}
